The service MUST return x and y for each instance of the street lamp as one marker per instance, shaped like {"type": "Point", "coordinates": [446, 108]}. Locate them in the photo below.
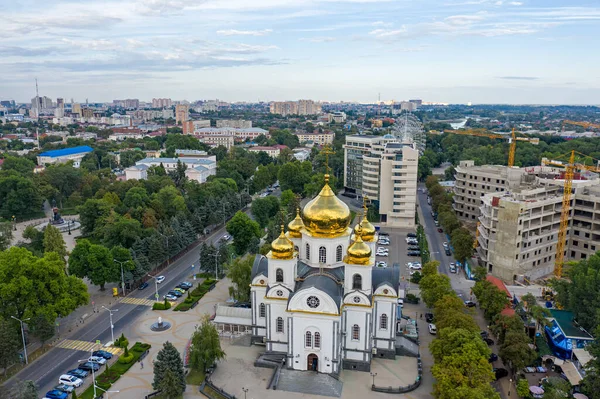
{"type": "Point", "coordinates": [373, 375]}
{"type": "Point", "coordinates": [216, 265]}
{"type": "Point", "coordinates": [156, 286]}
{"type": "Point", "coordinates": [23, 335]}
{"type": "Point", "coordinates": [112, 327]}
{"type": "Point", "coordinates": [122, 275]}
{"type": "Point", "coordinates": [104, 390]}
{"type": "Point", "coordinates": [509, 386]}
{"type": "Point", "coordinates": [245, 391]}
{"type": "Point", "coordinates": [93, 372]}
{"type": "Point", "coordinates": [168, 253]}
{"type": "Point", "coordinates": [14, 221]}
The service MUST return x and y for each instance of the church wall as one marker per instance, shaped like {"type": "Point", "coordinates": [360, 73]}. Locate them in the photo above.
{"type": "Point", "coordinates": [329, 352]}
{"type": "Point", "coordinates": [384, 339]}
{"type": "Point", "coordinates": [330, 245]}
{"type": "Point", "coordinates": [258, 323]}
{"type": "Point", "coordinates": [276, 341]}
{"type": "Point", "coordinates": [364, 271]}
{"type": "Point", "coordinates": [289, 272]}
{"type": "Point", "coordinates": [357, 352]}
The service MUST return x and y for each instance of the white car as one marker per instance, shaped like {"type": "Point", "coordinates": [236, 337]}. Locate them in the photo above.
{"type": "Point", "coordinates": [382, 249]}
{"type": "Point", "coordinates": [415, 266]}
{"type": "Point", "coordinates": [381, 264]}
{"type": "Point", "coordinates": [383, 242]}
{"type": "Point", "coordinates": [452, 268]}
{"type": "Point", "coordinates": [160, 279]}
{"type": "Point", "coordinates": [70, 380]}
{"type": "Point", "coordinates": [401, 302]}
{"type": "Point", "coordinates": [432, 329]}
{"type": "Point", "coordinates": [97, 359]}
{"type": "Point", "coordinates": [445, 244]}
{"type": "Point", "coordinates": [382, 254]}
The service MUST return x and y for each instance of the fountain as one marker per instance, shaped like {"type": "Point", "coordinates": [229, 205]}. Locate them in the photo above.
{"type": "Point", "coordinates": [160, 325]}
{"type": "Point", "coordinates": [57, 221]}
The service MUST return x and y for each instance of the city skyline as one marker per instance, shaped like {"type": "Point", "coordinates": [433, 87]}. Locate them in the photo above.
{"type": "Point", "coordinates": [455, 51]}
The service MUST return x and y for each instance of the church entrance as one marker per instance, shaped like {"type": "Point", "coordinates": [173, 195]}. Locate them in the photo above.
{"type": "Point", "coordinates": [312, 363]}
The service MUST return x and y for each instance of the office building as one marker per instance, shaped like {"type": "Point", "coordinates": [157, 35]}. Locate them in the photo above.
{"type": "Point", "coordinates": [65, 155]}
{"type": "Point", "coordinates": [191, 127]}
{"type": "Point", "coordinates": [301, 107]}
{"type": "Point", "coordinates": [316, 138]}
{"type": "Point", "coordinates": [235, 123]}
{"type": "Point", "coordinates": [383, 169]}
{"type": "Point", "coordinates": [198, 168]}
{"type": "Point", "coordinates": [239, 134]}
{"type": "Point", "coordinates": [270, 151]}
{"type": "Point", "coordinates": [226, 140]}
{"type": "Point", "coordinates": [182, 113]}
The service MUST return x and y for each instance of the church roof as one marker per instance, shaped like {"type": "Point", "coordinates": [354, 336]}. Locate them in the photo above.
{"type": "Point", "coordinates": [260, 266]}
{"type": "Point", "coordinates": [322, 283]}
{"type": "Point", "coordinates": [303, 270]}
{"type": "Point", "coordinates": [386, 275]}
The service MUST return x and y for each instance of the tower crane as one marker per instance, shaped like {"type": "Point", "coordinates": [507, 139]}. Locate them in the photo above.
{"type": "Point", "coordinates": [570, 168]}
{"type": "Point", "coordinates": [585, 125]}
{"type": "Point", "coordinates": [512, 139]}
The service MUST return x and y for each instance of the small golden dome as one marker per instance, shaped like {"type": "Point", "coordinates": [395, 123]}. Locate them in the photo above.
{"type": "Point", "coordinates": [282, 247]}
{"type": "Point", "coordinates": [296, 225]}
{"type": "Point", "coordinates": [368, 230]}
{"type": "Point", "coordinates": [326, 215]}
{"type": "Point", "coordinates": [358, 252]}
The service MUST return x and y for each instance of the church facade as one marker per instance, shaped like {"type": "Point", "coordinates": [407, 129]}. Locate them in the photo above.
{"type": "Point", "coordinates": [317, 297]}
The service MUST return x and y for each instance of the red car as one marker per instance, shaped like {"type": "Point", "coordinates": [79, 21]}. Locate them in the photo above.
{"type": "Point", "coordinates": [440, 230]}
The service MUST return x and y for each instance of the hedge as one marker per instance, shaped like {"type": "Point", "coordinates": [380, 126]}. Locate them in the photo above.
{"type": "Point", "coordinates": [195, 295]}
{"type": "Point", "coordinates": [166, 305]}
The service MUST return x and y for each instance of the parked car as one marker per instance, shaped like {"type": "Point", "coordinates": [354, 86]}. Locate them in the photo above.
{"type": "Point", "coordinates": [414, 253]}
{"type": "Point", "coordinates": [452, 268]}
{"type": "Point", "coordinates": [382, 254]}
{"type": "Point", "coordinates": [56, 394]}
{"type": "Point", "coordinates": [415, 266]}
{"type": "Point", "coordinates": [97, 359]}
{"type": "Point", "coordinates": [383, 243]}
{"type": "Point", "coordinates": [440, 230]}
{"type": "Point", "coordinates": [88, 366]}
{"type": "Point", "coordinates": [484, 334]}
{"type": "Point", "coordinates": [79, 373]}
{"type": "Point", "coordinates": [185, 285]}
{"type": "Point", "coordinates": [180, 290]}
{"type": "Point", "coordinates": [445, 244]}
{"type": "Point", "coordinates": [436, 223]}
{"type": "Point", "coordinates": [414, 248]}
{"type": "Point", "coordinates": [412, 235]}
{"type": "Point", "coordinates": [500, 373]}
{"type": "Point", "coordinates": [160, 279]}
{"type": "Point", "coordinates": [175, 293]}
{"type": "Point", "coordinates": [432, 329]}
{"type": "Point", "coordinates": [489, 341]}
{"type": "Point", "coordinates": [381, 264]}
{"type": "Point", "coordinates": [70, 380]}
{"type": "Point", "coordinates": [401, 302]}
{"type": "Point", "coordinates": [246, 305]}
{"type": "Point", "coordinates": [448, 253]}
{"type": "Point", "coordinates": [170, 297]}
{"type": "Point", "coordinates": [226, 237]}
{"type": "Point", "coordinates": [493, 357]}
{"type": "Point", "coordinates": [104, 354]}
{"type": "Point", "coordinates": [470, 304]}
{"type": "Point", "coordinates": [428, 317]}
{"type": "Point", "coordinates": [64, 388]}
{"type": "Point", "coordinates": [143, 286]}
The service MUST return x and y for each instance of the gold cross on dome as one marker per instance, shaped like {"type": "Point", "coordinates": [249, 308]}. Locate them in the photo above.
{"type": "Point", "coordinates": [327, 151]}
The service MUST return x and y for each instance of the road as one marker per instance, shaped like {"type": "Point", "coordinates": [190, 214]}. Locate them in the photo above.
{"type": "Point", "coordinates": [46, 370]}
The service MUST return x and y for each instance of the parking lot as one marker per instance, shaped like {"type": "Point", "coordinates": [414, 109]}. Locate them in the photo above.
{"type": "Point", "coordinates": [397, 251]}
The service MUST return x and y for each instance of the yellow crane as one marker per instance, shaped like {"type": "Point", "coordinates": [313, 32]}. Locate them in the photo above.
{"type": "Point", "coordinates": [512, 139]}
{"type": "Point", "coordinates": [585, 125]}
{"type": "Point", "coordinates": [570, 168]}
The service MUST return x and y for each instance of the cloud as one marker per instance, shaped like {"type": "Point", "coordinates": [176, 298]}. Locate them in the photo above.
{"type": "Point", "coordinates": [387, 33]}
{"type": "Point", "coordinates": [100, 44]}
{"type": "Point", "coordinates": [382, 23]}
{"type": "Point", "coordinates": [10, 51]}
{"type": "Point", "coordinates": [518, 77]}
{"type": "Point", "coordinates": [515, 3]}
{"type": "Point", "coordinates": [318, 39]}
{"type": "Point", "coordinates": [463, 19]}
{"type": "Point", "coordinates": [235, 32]}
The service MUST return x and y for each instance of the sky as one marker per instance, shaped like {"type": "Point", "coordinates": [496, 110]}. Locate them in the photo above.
{"type": "Point", "coordinates": [454, 51]}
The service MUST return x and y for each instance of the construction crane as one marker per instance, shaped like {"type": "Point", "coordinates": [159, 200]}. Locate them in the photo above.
{"type": "Point", "coordinates": [512, 139]}
{"type": "Point", "coordinates": [585, 125]}
{"type": "Point", "coordinates": [570, 168]}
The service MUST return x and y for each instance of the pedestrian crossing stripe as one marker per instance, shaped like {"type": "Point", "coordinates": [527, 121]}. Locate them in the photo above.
{"type": "Point", "coordinates": [86, 346]}
{"type": "Point", "coordinates": [137, 301]}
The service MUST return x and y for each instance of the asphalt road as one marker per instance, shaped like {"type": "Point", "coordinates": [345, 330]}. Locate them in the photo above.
{"type": "Point", "coordinates": [46, 370]}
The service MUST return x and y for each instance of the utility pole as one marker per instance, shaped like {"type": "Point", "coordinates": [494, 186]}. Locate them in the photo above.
{"type": "Point", "coordinates": [23, 335]}
{"type": "Point", "coordinates": [37, 107]}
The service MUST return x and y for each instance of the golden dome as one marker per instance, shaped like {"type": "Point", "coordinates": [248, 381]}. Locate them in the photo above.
{"type": "Point", "coordinates": [358, 252]}
{"type": "Point", "coordinates": [368, 230]}
{"type": "Point", "coordinates": [296, 225]}
{"type": "Point", "coordinates": [282, 247]}
{"type": "Point", "coordinates": [326, 215]}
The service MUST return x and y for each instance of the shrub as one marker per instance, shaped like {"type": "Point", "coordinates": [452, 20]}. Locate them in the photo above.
{"type": "Point", "coordinates": [161, 305]}
{"type": "Point", "coordinates": [126, 359]}
{"type": "Point", "coordinates": [183, 307]}
{"type": "Point", "coordinates": [122, 342]}
{"type": "Point", "coordinates": [140, 347]}
{"type": "Point", "coordinates": [411, 298]}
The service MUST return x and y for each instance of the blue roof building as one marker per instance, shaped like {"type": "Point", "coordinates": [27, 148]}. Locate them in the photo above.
{"type": "Point", "coordinates": [64, 155]}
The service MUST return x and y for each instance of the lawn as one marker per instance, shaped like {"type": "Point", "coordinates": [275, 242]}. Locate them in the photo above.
{"type": "Point", "coordinates": [194, 377]}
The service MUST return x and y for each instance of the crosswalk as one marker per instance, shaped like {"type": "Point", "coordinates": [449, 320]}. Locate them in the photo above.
{"type": "Point", "coordinates": [86, 346]}
{"type": "Point", "coordinates": [138, 301]}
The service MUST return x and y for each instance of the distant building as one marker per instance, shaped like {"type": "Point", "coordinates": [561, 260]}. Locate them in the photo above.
{"type": "Point", "coordinates": [182, 113]}
{"type": "Point", "coordinates": [301, 154]}
{"type": "Point", "coordinates": [191, 154]}
{"type": "Point", "coordinates": [271, 151]}
{"type": "Point", "coordinates": [339, 117]}
{"type": "Point", "coordinates": [235, 123]}
{"type": "Point", "coordinates": [162, 103]}
{"type": "Point", "coordinates": [191, 127]}
{"type": "Point", "coordinates": [239, 134]}
{"type": "Point", "coordinates": [198, 168]}
{"type": "Point", "coordinates": [317, 138]}
{"type": "Point", "coordinates": [74, 154]}
{"type": "Point", "coordinates": [226, 140]}
{"type": "Point", "coordinates": [131, 103]}
{"type": "Point", "coordinates": [301, 107]}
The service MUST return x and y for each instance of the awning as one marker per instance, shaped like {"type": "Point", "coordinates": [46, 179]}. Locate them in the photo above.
{"type": "Point", "coordinates": [233, 320]}
{"type": "Point", "coordinates": [572, 373]}
{"type": "Point", "coordinates": [582, 355]}
{"type": "Point", "coordinates": [231, 315]}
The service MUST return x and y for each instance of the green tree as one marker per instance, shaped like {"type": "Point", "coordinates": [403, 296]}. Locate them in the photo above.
{"type": "Point", "coordinates": [24, 390]}
{"type": "Point", "coordinates": [294, 175]}
{"type": "Point", "coordinates": [434, 287]}
{"type": "Point", "coordinates": [31, 285]}
{"type": "Point", "coordinates": [20, 165]}
{"type": "Point", "coordinates": [515, 350]}
{"type": "Point", "coordinates": [36, 239]}
{"type": "Point", "coordinates": [490, 299]}
{"type": "Point", "coordinates": [264, 209]}
{"type": "Point", "coordinates": [92, 215]}
{"type": "Point", "coordinates": [523, 387]}
{"type": "Point", "coordinates": [121, 230]}
{"type": "Point", "coordinates": [206, 346]}
{"type": "Point", "coordinates": [479, 273]}
{"type": "Point", "coordinates": [168, 358]}
{"type": "Point", "coordinates": [94, 262]}
{"type": "Point", "coordinates": [9, 344]}
{"type": "Point", "coordinates": [449, 173]}
{"type": "Point", "coordinates": [54, 242]}
{"type": "Point", "coordinates": [170, 385]}
{"type": "Point", "coordinates": [5, 235]}
{"type": "Point", "coordinates": [136, 197]}
{"type": "Point", "coordinates": [451, 312]}
{"type": "Point", "coordinates": [19, 197]}
{"type": "Point", "coordinates": [462, 243]}
{"type": "Point", "coordinates": [41, 327]}
{"type": "Point", "coordinates": [239, 272]}
{"type": "Point", "coordinates": [242, 229]}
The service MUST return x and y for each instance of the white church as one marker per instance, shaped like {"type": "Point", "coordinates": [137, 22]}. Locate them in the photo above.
{"type": "Point", "coordinates": [317, 296]}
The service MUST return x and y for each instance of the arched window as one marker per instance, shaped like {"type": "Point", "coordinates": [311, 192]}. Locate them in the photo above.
{"type": "Point", "coordinates": [357, 282]}
{"type": "Point", "coordinates": [322, 255]}
{"type": "Point", "coordinates": [262, 310]}
{"type": "Point", "coordinates": [339, 251]}
{"type": "Point", "coordinates": [355, 332]}
{"type": "Point", "coordinates": [307, 251]}
{"type": "Point", "coordinates": [383, 322]}
{"type": "Point", "coordinates": [317, 340]}
{"type": "Point", "coordinates": [279, 275]}
{"type": "Point", "coordinates": [308, 341]}
{"type": "Point", "coordinates": [279, 326]}
{"type": "Point", "coordinates": [296, 248]}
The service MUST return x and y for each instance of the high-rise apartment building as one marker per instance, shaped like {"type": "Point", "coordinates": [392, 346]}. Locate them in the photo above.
{"type": "Point", "coordinates": [383, 169]}
{"type": "Point", "coordinates": [182, 113]}
{"type": "Point", "coordinates": [131, 103]}
{"type": "Point", "coordinates": [76, 109]}
{"type": "Point", "coordinates": [301, 107]}
{"type": "Point", "coordinates": [236, 123]}
{"type": "Point", "coordinates": [41, 103]}
{"type": "Point", "coordinates": [162, 103]}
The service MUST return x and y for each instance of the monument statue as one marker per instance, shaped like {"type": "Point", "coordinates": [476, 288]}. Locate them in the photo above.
{"type": "Point", "coordinates": [56, 218]}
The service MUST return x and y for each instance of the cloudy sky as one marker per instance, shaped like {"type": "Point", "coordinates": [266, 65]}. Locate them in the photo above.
{"type": "Point", "coordinates": [483, 51]}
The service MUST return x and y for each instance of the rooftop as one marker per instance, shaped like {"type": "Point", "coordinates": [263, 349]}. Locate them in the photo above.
{"type": "Point", "coordinates": [567, 324]}
{"type": "Point", "coordinates": [67, 151]}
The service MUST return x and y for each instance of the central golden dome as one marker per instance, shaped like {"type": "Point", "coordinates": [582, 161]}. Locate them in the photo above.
{"type": "Point", "coordinates": [296, 225]}
{"type": "Point", "coordinates": [282, 247]}
{"type": "Point", "coordinates": [326, 215]}
{"type": "Point", "coordinates": [358, 252]}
